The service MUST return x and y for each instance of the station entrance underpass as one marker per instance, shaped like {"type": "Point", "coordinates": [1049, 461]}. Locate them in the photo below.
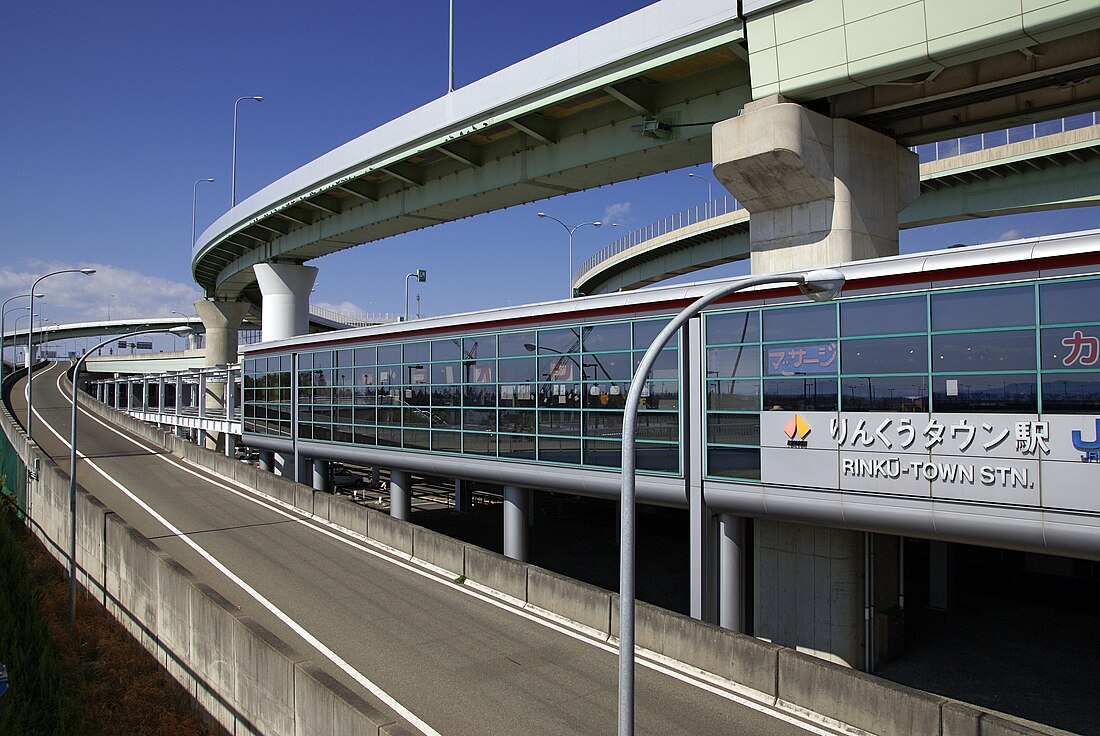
{"type": "Point", "coordinates": [1013, 631]}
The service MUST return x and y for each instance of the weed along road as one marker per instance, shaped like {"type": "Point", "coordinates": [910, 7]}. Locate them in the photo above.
{"type": "Point", "coordinates": [445, 657]}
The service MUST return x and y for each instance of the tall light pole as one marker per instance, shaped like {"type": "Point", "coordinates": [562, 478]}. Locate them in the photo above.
{"type": "Point", "coordinates": [180, 331]}
{"type": "Point", "coordinates": [420, 275]}
{"type": "Point", "coordinates": [194, 202]}
{"type": "Point", "coordinates": [109, 298]}
{"type": "Point", "coordinates": [451, 48]}
{"type": "Point", "coordinates": [820, 285]}
{"type": "Point", "coordinates": [570, 229]}
{"type": "Point", "coordinates": [3, 333]}
{"type": "Point", "coordinates": [30, 333]}
{"type": "Point", "coordinates": [233, 163]}
{"type": "Point", "coordinates": [710, 197]}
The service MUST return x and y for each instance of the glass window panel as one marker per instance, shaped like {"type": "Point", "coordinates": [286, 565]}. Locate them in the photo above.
{"type": "Point", "coordinates": [733, 395]}
{"type": "Point", "coordinates": [365, 415]}
{"type": "Point", "coordinates": [518, 394]}
{"type": "Point", "coordinates": [559, 395]}
{"type": "Point", "coordinates": [447, 349]}
{"type": "Point", "coordinates": [799, 323]}
{"type": "Point", "coordinates": [416, 375]}
{"type": "Point", "coordinates": [322, 359]}
{"type": "Point", "coordinates": [608, 366]}
{"type": "Point", "coordinates": [983, 308]}
{"type": "Point", "coordinates": [885, 355]}
{"type": "Point", "coordinates": [446, 396]}
{"type": "Point", "coordinates": [365, 356]}
{"type": "Point", "coordinates": [483, 346]}
{"type": "Point", "coordinates": [561, 368]}
{"type": "Point", "coordinates": [603, 424]}
{"type": "Point", "coordinates": [305, 431]}
{"type": "Point", "coordinates": [517, 421]}
{"type": "Point", "coordinates": [884, 393]}
{"type": "Point", "coordinates": [447, 441]}
{"type": "Point", "coordinates": [446, 373]}
{"type": "Point", "coordinates": [729, 362]}
{"type": "Point", "coordinates": [305, 361]}
{"type": "Point", "coordinates": [516, 344]}
{"type": "Point", "coordinates": [322, 432]}
{"type": "Point", "coordinates": [480, 372]}
{"type": "Point", "coordinates": [518, 447]}
{"type": "Point", "coordinates": [1011, 393]}
{"type": "Point", "coordinates": [518, 370]}
{"type": "Point", "coordinates": [607, 337]}
{"type": "Point", "coordinates": [660, 426]}
{"type": "Point", "coordinates": [286, 362]}
{"type": "Point", "coordinates": [734, 462]}
{"type": "Point", "coordinates": [1071, 393]}
{"type": "Point", "coordinates": [984, 351]}
{"type": "Point", "coordinates": [657, 458]}
{"type": "Point", "coordinates": [447, 418]}
{"type": "Point", "coordinates": [364, 435]}
{"type": "Point", "coordinates": [416, 439]}
{"type": "Point", "coordinates": [560, 340]}
{"type": "Point", "coordinates": [389, 436]}
{"type": "Point", "coordinates": [800, 394]}
{"type": "Point", "coordinates": [389, 416]}
{"type": "Point", "coordinates": [948, 148]}
{"type": "Point", "coordinates": [559, 422]}
{"type": "Point", "coordinates": [733, 429]}
{"type": "Point", "coordinates": [603, 453]}
{"type": "Point", "coordinates": [417, 396]}
{"type": "Point", "coordinates": [559, 450]}
{"type": "Point", "coordinates": [1071, 347]}
{"type": "Point", "coordinates": [970, 143]}
{"type": "Point", "coordinates": [926, 152]}
{"type": "Point", "coordinates": [416, 417]}
{"type": "Point", "coordinates": [344, 415]}
{"type": "Point", "coordinates": [995, 138]}
{"type": "Point", "coordinates": [341, 434]}
{"type": "Point", "coordinates": [474, 443]}
{"type": "Point", "coordinates": [480, 419]}
{"type": "Point", "coordinates": [603, 396]}
{"type": "Point", "coordinates": [344, 358]}
{"type": "Point", "coordinates": [481, 394]}
{"type": "Point", "coordinates": [733, 327]}
{"type": "Point", "coordinates": [1021, 133]}
{"type": "Point", "coordinates": [364, 376]}
{"type": "Point", "coordinates": [1067, 302]}
{"type": "Point", "coordinates": [663, 395]}
{"type": "Point", "coordinates": [883, 316]}
{"type": "Point", "coordinates": [667, 364]}
{"type": "Point", "coordinates": [389, 354]}
{"type": "Point", "coordinates": [646, 331]}
{"type": "Point", "coordinates": [417, 352]}
{"type": "Point", "coordinates": [365, 396]}
{"type": "Point", "coordinates": [801, 359]}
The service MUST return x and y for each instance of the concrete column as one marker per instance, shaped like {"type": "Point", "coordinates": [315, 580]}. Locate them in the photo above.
{"type": "Point", "coordinates": [463, 495]}
{"type": "Point", "coordinates": [221, 322]}
{"type": "Point", "coordinates": [285, 288]}
{"type": "Point", "coordinates": [400, 495]}
{"type": "Point", "coordinates": [808, 589]}
{"type": "Point", "coordinates": [230, 445]}
{"type": "Point", "coordinates": [320, 475]}
{"type": "Point", "coordinates": [820, 190]}
{"type": "Point", "coordinates": [517, 507]}
{"type": "Point", "coordinates": [267, 460]}
{"type": "Point", "coordinates": [731, 578]}
{"type": "Point", "coordinates": [284, 465]}
{"type": "Point", "coordinates": [375, 476]}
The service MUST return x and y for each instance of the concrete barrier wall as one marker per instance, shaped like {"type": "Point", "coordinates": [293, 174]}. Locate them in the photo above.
{"type": "Point", "coordinates": [322, 705]}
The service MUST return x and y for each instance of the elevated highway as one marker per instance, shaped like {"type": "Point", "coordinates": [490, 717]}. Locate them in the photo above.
{"type": "Point", "coordinates": [637, 97]}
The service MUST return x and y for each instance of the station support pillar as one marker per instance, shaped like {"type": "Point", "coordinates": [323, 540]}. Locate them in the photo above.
{"type": "Point", "coordinates": [517, 510]}
{"type": "Point", "coordinates": [285, 288]}
{"type": "Point", "coordinates": [267, 460]}
{"type": "Point", "coordinates": [731, 582]}
{"type": "Point", "coordinates": [820, 190]}
{"type": "Point", "coordinates": [320, 475]}
{"type": "Point", "coordinates": [400, 494]}
{"type": "Point", "coordinates": [463, 495]}
{"type": "Point", "coordinates": [222, 322]}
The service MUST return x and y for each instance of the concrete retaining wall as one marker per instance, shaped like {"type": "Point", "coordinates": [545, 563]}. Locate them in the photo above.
{"type": "Point", "coordinates": [322, 705]}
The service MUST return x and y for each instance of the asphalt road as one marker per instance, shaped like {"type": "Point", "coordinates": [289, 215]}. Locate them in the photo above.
{"type": "Point", "coordinates": [460, 661]}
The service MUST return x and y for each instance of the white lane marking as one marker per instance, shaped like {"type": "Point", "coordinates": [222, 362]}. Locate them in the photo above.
{"type": "Point", "coordinates": [650, 660]}
{"type": "Point", "coordinates": [294, 625]}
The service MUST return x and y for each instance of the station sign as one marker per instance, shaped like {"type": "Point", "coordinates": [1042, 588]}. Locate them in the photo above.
{"type": "Point", "coordinates": [1027, 460]}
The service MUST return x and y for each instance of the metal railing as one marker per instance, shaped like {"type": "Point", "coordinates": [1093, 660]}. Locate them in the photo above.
{"type": "Point", "coordinates": [362, 319]}
{"type": "Point", "coordinates": [926, 153]}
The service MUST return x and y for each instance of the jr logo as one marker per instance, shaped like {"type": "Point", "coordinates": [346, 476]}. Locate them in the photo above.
{"type": "Point", "coordinates": [1080, 443]}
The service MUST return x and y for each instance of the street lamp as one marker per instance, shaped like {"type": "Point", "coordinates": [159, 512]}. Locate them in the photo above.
{"type": "Point", "coordinates": [180, 331]}
{"type": "Point", "coordinates": [3, 333]}
{"type": "Point", "coordinates": [30, 332]}
{"type": "Point", "coordinates": [109, 298]}
{"type": "Point", "coordinates": [819, 285]}
{"type": "Point", "coordinates": [420, 275]}
{"type": "Point", "coordinates": [710, 197]}
{"type": "Point", "coordinates": [570, 230]}
{"type": "Point", "coordinates": [194, 201]}
{"type": "Point", "coordinates": [233, 164]}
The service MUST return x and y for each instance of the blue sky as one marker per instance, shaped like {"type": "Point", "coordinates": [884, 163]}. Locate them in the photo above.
{"type": "Point", "coordinates": [114, 110]}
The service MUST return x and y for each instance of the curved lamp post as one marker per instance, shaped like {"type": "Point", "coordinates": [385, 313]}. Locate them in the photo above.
{"type": "Point", "coordinates": [180, 331]}
{"type": "Point", "coordinates": [233, 163]}
{"type": "Point", "coordinates": [30, 333]}
{"type": "Point", "coordinates": [3, 334]}
{"type": "Point", "coordinates": [570, 229]}
{"type": "Point", "coordinates": [819, 285]}
{"type": "Point", "coordinates": [710, 196]}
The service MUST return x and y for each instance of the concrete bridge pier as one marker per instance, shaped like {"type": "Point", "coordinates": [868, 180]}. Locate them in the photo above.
{"type": "Point", "coordinates": [400, 494]}
{"type": "Point", "coordinates": [820, 191]}
{"type": "Point", "coordinates": [285, 288]}
{"type": "Point", "coordinates": [320, 475]}
{"type": "Point", "coordinates": [222, 321]}
{"type": "Point", "coordinates": [517, 510]}
{"type": "Point", "coordinates": [731, 561]}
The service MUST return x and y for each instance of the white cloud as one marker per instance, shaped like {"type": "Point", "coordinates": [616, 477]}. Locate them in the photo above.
{"type": "Point", "coordinates": [1009, 235]}
{"type": "Point", "coordinates": [79, 298]}
{"type": "Point", "coordinates": [616, 213]}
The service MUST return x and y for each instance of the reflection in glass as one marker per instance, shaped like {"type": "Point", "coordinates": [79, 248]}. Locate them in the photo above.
{"type": "Point", "coordinates": [1063, 303]}
{"type": "Point", "coordinates": [733, 395]}
{"type": "Point", "coordinates": [986, 351]}
{"type": "Point", "coordinates": [1071, 393]}
{"type": "Point", "coordinates": [1005, 393]}
{"type": "Point", "coordinates": [884, 393]}
{"type": "Point", "coordinates": [885, 355]}
{"type": "Point", "coordinates": [801, 394]}
{"type": "Point", "coordinates": [734, 462]}
{"type": "Point", "coordinates": [799, 323]}
{"type": "Point", "coordinates": [1012, 306]}
{"type": "Point", "coordinates": [884, 316]}
{"type": "Point", "coordinates": [733, 327]}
